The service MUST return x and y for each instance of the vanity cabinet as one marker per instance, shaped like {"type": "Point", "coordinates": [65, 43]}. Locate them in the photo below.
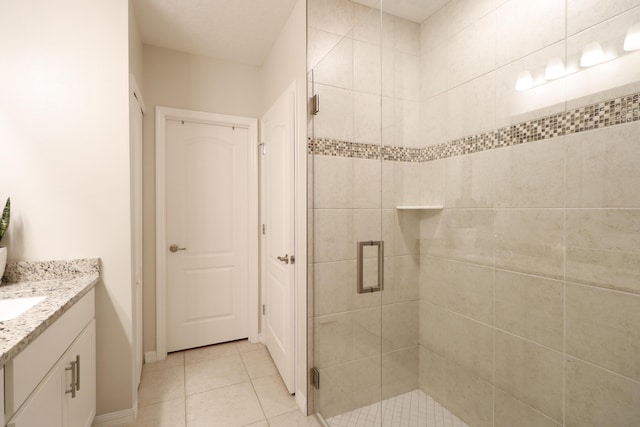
{"type": "Point", "coordinates": [65, 395]}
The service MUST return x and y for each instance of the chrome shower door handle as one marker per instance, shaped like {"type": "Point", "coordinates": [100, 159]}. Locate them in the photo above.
{"type": "Point", "coordinates": [380, 286]}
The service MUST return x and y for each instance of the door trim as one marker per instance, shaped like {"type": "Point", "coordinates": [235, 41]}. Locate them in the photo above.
{"type": "Point", "coordinates": [162, 115]}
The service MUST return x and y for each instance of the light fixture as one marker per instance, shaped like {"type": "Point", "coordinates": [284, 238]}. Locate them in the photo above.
{"type": "Point", "coordinates": [592, 54]}
{"type": "Point", "coordinates": [555, 69]}
{"type": "Point", "coordinates": [525, 81]}
{"type": "Point", "coordinates": [632, 40]}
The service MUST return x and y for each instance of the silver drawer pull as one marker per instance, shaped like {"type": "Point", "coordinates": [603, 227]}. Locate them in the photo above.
{"type": "Point", "coordinates": [72, 368]}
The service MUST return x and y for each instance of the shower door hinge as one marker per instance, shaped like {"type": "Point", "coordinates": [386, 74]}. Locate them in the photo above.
{"type": "Point", "coordinates": [264, 309]}
{"type": "Point", "coordinates": [315, 104]}
{"type": "Point", "coordinates": [315, 378]}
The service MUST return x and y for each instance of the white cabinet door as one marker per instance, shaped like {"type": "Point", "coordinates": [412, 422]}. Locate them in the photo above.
{"type": "Point", "coordinates": [44, 408]}
{"type": "Point", "coordinates": [80, 410]}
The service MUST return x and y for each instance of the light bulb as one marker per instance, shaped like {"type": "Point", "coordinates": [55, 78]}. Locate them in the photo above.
{"type": "Point", "coordinates": [592, 54]}
{"type": "Point", "coordinates": [632, 40]}
{"type": "Point", "coordinates": [555, 69]}
{"type": "Point", "coordinates": [525, 81]}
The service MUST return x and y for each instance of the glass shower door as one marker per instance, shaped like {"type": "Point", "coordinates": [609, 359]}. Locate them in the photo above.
{"type": "Point", "coordinates": [347, 263]}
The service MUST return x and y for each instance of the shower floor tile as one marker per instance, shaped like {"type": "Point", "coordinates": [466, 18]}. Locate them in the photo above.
{"type": "Point", "coordinates": [412, 409]}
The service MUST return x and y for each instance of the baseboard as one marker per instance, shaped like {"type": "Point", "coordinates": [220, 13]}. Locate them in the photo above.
{"type": "Point", "coordinates": [150, 357]}
{"type": "Point", "coordinates": [115, 418]}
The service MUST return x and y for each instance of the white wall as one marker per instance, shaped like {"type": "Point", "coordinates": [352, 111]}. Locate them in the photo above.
{"type": "Point", "coordinates": [181, 80]}
{"type": "Point", "coordinates": [64, 156]}
{"type": "Point", "coordinates": [286, 63]}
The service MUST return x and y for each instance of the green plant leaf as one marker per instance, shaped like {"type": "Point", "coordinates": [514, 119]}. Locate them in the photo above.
{"type": "Point", "coordinates": [6, 216]}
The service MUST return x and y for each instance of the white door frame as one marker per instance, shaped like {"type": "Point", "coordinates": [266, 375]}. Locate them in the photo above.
{"type": "Point", "coordinates": [162, 115]}
{"type": "Point", "coordinates": [136, 238]}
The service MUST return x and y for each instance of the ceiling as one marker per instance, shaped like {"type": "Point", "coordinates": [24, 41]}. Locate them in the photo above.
{"type": "Point", "coordinates": [412, 10]}
{"type": "Point", "coordinates": [241, 31]}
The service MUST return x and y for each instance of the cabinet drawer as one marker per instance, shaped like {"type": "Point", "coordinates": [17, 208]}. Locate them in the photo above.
{"type": "Point", "coordinates": [30, 366]}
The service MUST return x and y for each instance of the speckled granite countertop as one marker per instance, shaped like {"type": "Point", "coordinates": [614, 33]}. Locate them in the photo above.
{"type": "Point", "coordinates": [62, 282]}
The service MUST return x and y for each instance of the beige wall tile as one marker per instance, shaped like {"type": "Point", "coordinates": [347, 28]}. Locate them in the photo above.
{"type": "Point", "coordinates": [388, 184]}
{"type": "Point", "coordinates": [466, 289]}
{"type": "Point", "coordinates": [530, 175]}
{"type": "Point", "coordinates": [399, 372]}
{"type": "Point", "coordinates": [471, 107]}
{"type": "Point", "coordinates": [531, 307]}
{"type": "Point", "coordinates": [433, 76]}
{"type": "Point", "coordinates": [336, 67]}
{"type": "Point", "coordinates": [333, 235]}
{"type": "Point", "coordinates": [367, 381]}
{"type": "Point", "coordinates": [603, 248]}
{"type": "Point", "coordinates": [433, 30]}
{"type": "Point", "coordinates": [337, 394]}
{"type": "Point", "coordinates": [530, 373]}
{"type": "Point", "coordinates": [433, 119]}
{"type": "Point", "coordinates": [406, 37]}
{"type": "Point", "coordinates": [462, 13]}
{"type": "Point", "coordinates": [367, 183]}
{"type": "Point", "coordinates": [333, 182]}
{"type": "Point", "coordinates": [603, 167]}
{"type": "Point", "coordinates": [367, 329]}
{"type": "Point", "coordinates": [432, 374]}
{"type": "Point", "coordinates": [336, 120]}
{"type": "Point", "coordinates": [462, 234]}
{"type": "Point", "coordinates": [334, 16]}
{"type": "Point", "coordinates": [434, 328]}
{"type": "Point", "coordinates": [471, 51]}
{"type": "Point", "coordinates": [333, 339]}
{"type": "Point", "coordinates": [319, 44]}
{"type": "Point", "coordinates": [406, 76]}
{"type": "Point", "coordinates": [469, 182]}
{"type": "Point", "coordinates": [595, 397]}
{"type": "Point", "coordinates": [511, 412]}
{"type": "Point", "coordinates": [366, 24]}
{"type": "Point", "coordinates": [470, 345]}
{"type": "Point", "coordinates": [407, 123]}
{"type": "Point", "coordinates": [406, 278]}
{"type": "Point", "coordinates": [603, 328]}
{"type": "Point", "coordinates": [366, 68]}
{"type": "Point", "coordinates": [524, 26]}
{"type": "Point", "coordinates": [400, 231]}
{"type": "Point", "coordinates": [367, 119]}
{"type": "Point", "coordinates": [469, 397]}
{"type": "Point", "coordinates": [582, 14]}
{"type": "Point", "coordinates": [530, 241]}
{"type": "Point", "coordinates": [334, 287]}
{"type": "Point", "coordinates": [399, 326]}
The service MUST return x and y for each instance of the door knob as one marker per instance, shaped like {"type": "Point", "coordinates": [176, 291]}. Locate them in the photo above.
{"type": "Point", "coordinates": [175, 248]}
{"type": "Point", "coordinates": [284, 258]}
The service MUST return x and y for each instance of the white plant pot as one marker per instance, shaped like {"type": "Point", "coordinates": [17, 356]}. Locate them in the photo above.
{"type": "Point", "coordinates": [3, 260]}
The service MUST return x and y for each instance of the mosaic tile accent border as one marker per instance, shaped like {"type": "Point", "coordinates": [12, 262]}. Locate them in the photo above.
{"type": "Point", "coordinates": [614, 112]}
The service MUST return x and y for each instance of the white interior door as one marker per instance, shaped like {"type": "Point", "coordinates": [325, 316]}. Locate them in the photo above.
{"type": "Point", "coordinates": [278, 136]}
{"type": "Point", "coordinates": [207, 203]}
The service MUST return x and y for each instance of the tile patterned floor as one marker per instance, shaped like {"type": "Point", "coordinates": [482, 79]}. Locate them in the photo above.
{"type": "Point", "coordinates": [228, 385]}
{"type": "Point", "coordinates": [412, 409]}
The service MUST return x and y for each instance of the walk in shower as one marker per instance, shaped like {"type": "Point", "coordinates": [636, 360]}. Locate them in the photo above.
{"type": "Point", "coordinates": [474, 213]}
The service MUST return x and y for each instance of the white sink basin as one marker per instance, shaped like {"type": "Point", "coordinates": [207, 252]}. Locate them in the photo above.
{"type": "Point", "coordinates": [14, 307]}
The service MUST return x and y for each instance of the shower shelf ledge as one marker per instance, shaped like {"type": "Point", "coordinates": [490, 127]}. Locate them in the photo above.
{"type": "Point", "coordinates": [420, 208]}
